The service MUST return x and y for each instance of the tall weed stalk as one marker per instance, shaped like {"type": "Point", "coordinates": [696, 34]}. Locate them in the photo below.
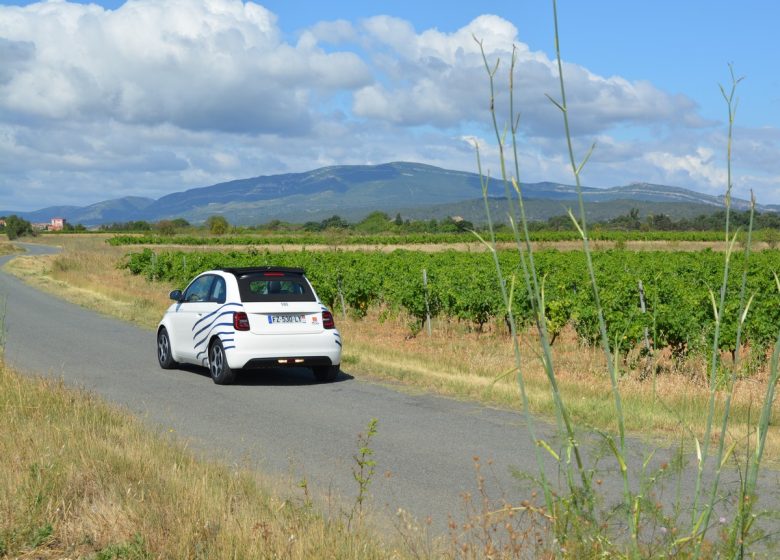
{"type": "Point", "coordinates": [574, 513]}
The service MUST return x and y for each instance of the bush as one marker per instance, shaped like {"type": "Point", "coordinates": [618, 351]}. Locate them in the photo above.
{"type": "Point", "coordinates": [16, 227]}
{"type": "Point", "coordinates": [218, 225]}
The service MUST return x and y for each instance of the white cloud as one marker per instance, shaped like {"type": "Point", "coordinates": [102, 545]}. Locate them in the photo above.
{"type": "Point", "coordinates": [697, 166]}
{"type": "Point", "coordinates": [201, 65]}
{"type": "Point", "coordinates": [443, 75]}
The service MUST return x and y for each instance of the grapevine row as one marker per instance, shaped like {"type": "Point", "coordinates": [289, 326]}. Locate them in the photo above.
{"type": "Point", "coordinates": [416, 238]}
{"type": "Point", "coordinates": [462, 286]}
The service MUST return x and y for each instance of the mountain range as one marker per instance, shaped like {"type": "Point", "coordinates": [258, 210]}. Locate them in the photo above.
{"type": "Point", "coordinates": [415, 190]}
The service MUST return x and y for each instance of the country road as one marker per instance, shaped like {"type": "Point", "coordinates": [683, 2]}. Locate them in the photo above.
{"type": "Point", "coordinates": [282, 422]}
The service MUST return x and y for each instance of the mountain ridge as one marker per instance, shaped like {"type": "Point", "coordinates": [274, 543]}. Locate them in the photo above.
{"type": "Point", "coordinates": [353, 191]}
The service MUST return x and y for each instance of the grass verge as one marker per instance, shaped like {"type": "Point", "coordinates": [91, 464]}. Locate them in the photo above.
{"type": "Point", "coordinates": [8, 248]}
{"type": "Point", "coordinates": [79, 478]}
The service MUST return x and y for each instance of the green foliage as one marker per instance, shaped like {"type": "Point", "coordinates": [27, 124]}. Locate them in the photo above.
{"type": "Point", "coordinates": [16, 227]}
{"type": "Point", "coordinates": [41, 535]}
{"type": "Point", "coordinates": [137, 225]}
{"type": "Point", "coordinates": [70, 228]}
{"type": "Point", "coordinates": [364, 469]}
{"type": "Point", "coordinates": [676, 289]}
{"type": "Point", "coordinates": [375, 222]}
{"type": "Point", "coordinates": [133, 550]}
{"type": "Point", "coordinates": [217, 225]}
{"type": "Point", "coordinates": [165, 227]}
{"type": "Point", "coordinates": [448, 232]}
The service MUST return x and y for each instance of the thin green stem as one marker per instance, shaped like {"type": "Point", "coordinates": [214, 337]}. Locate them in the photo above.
{"type": "Point", "coordinates": [699, 516]}
{"type": "Point", "coordinates": [532, 284]}
{"type": "Point", "coordinates": [529, 420]}
{"type": "Point", "coordinates": [582, 226]}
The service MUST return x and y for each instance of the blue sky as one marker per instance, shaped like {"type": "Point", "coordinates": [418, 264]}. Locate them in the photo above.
{"type": "Point", "coordinates": [148, 97]}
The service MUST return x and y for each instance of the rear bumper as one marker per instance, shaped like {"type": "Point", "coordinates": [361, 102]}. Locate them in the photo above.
{"type": "Point", "coordinates": [308, 350]}
{"type": "Point", "coordinates": [310, 361]}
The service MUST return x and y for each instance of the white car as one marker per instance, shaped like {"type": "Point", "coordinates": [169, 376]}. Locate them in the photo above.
{"type": "Point", "coordinates": [249, 318]}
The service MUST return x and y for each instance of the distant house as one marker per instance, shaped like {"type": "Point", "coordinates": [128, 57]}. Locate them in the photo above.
{"type": "Point", "coordinates": [2, 222]}
{"type": "Point", "coordinates": [57, 224]}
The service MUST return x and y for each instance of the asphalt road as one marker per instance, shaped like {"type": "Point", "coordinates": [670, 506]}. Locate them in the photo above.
{"type": "Point", "coordinates": [281, 422]}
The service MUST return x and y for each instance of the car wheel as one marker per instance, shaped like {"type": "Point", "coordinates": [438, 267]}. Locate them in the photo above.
{"type": "Point", "coordinates": [164, 354]}
{"type": "Point", "coordinates": [326, 374]}
{"type": "Point", "coordinates": [220, 371]}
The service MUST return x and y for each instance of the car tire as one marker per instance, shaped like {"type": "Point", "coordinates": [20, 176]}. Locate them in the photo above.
{"type": "Point", "coordinates": [219, 369]}
{"type": "Point", "coordinates": [164, 354]}
{"type": "Point", "coordinates": [326, 374]}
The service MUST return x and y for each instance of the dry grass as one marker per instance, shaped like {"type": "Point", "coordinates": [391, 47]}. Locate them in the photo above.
{"type": "Point", "coordinates": [81, 479]}
{"type": "Point", "coordinates": [86, 273]}
{"type": "Point", "coordinates": [8, 248]}
{"type": "Point", "coordinates": [477, 366]}
{"type": "Point", "coordinates": [454, 361]}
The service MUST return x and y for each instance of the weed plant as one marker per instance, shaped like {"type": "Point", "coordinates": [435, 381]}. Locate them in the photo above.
{"type": "Point", "coordinates": [581, 523]}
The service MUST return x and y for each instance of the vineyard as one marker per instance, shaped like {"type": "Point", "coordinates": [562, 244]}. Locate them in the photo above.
{"type": "Point", "coordinates": [346, 238]}
{"type": "Point", "coordinates": [463, 287]}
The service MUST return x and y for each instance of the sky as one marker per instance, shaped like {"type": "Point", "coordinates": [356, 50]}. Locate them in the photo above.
{"type": "Point", "coordinates": [144, 98]}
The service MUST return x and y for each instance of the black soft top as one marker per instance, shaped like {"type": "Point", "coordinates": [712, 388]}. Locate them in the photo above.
{"type": "Point", "coordinates": [242, 271]}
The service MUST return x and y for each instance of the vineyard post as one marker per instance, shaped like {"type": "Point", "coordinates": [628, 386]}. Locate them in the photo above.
{"type": "Point", "coordinates": [644, 311]}
{"type": "Point", "coordinates": [341, 298]}
{"type": "Point", "coordinates": [427, 305]}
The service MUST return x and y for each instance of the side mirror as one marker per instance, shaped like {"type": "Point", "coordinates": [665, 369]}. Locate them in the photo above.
{"type": "Point", "coordinates": [175, 295]}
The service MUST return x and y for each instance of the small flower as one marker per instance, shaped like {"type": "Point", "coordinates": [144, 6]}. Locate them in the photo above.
{"type": "Point", "coordinates": [722, 520]}
{"type": "Point", "coordinates": [663, 530]}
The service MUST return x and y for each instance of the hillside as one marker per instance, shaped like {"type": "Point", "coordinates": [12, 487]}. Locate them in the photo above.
{"type": "Point", "coordinates": [352, 191]}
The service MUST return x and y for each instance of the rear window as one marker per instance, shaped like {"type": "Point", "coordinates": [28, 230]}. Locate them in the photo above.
{"type": "Point", "coordinates": [261, 287]}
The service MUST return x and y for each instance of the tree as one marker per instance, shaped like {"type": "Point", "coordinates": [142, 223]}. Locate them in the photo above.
{"type": "Point", "coordinates": [180, 223]}
{"type": "Point", "coordinates": [660, 222]}
{"type": "Point", "coordinates": [17, 227]}
{"type": "Point", "coordinates": [375, 222]}
{"type": "Point", "coordinates": [68, 227]}
{"type": "Point", "coordinates": [455, 224]}
{"type": "Point", "coordinates": [334, 222]}
{"type": "Point", "coordinates": [218, 225]}
{"type": "Point", "coordinates": [165, 227]}
{"type": "Point", "coordinates": [398, 220]}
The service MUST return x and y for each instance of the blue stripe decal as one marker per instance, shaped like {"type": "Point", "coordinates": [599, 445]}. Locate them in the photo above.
{"type": "Point", "coordinates": [337, 342]}
{"type": "Point", "coordinates": [220, 335]}
{"type": "Point", "coordinates": [208, 335]}
{"type": "Point", "coordinates": [228, 347]}
{"type": "Point", "coordinates": [217, 318]}
{"type": "Point", "coordinates": [214, 312]}
{"type": "Point", "coordinates": [337, 335]}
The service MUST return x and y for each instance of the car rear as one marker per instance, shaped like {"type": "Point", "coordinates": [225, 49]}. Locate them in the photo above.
{"type": "Point", "coordinates": [282, 322]}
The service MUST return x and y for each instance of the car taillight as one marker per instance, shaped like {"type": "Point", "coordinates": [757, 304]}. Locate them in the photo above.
{"type": "Point", "coordinates": [240, 321]}
{"type": "Point", "coordinates": [327, 320]}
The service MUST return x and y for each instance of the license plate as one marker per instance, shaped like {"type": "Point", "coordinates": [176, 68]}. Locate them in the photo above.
{"type": "Point", "coordinates": [298, 318]}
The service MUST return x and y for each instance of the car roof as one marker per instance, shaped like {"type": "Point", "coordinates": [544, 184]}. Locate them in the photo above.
{"type": "Point", "coordinates": [241, 271]}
